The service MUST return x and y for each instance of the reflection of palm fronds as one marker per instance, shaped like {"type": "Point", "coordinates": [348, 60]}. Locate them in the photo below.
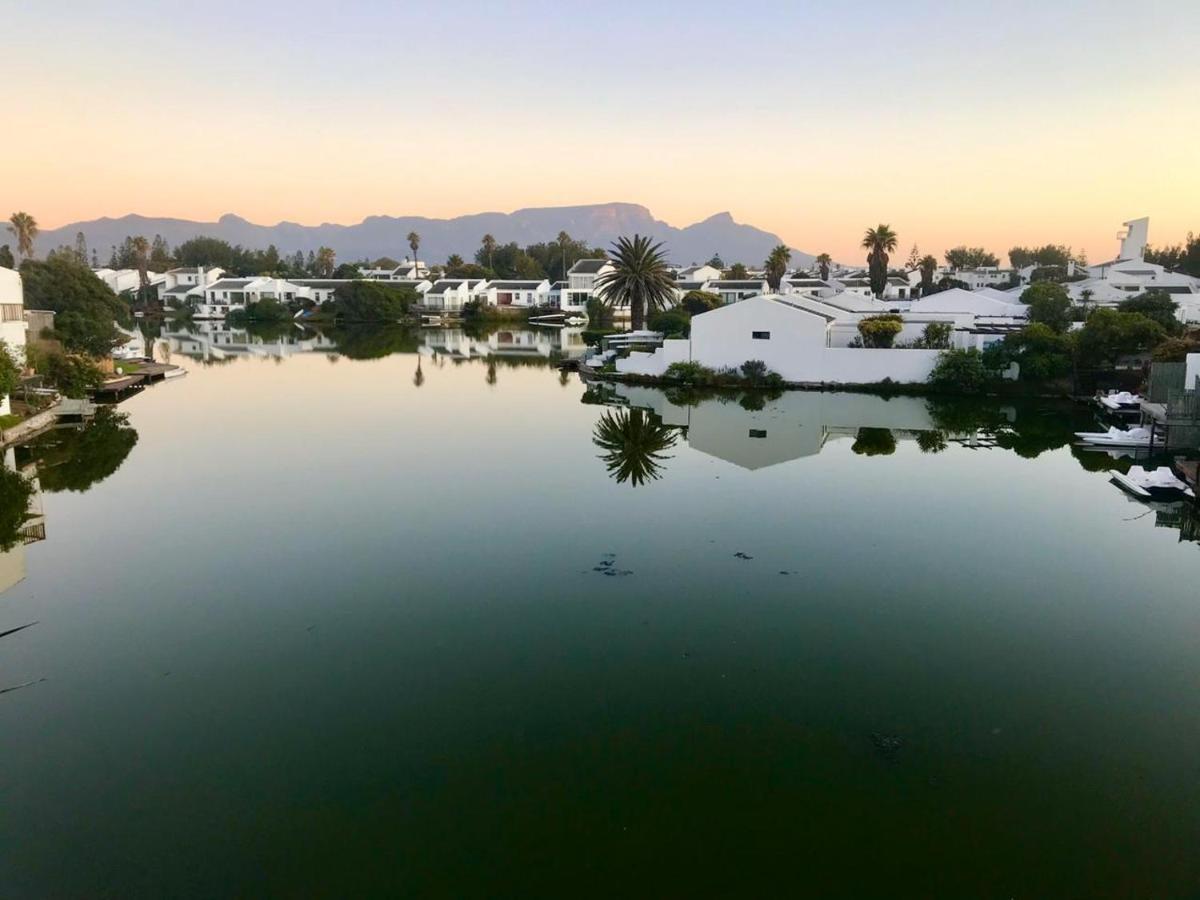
{"type": "Point", "coordinates": [634, 445]}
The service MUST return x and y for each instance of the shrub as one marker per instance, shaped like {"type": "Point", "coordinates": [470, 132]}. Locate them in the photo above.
{"type": "Point", "coordinates": [936, 336]}
{"type": "Point", "coordinates": [1175, 350]}
{"type": "Point", "coordinates": [754, 370]}
{"type": "Point", "coordinates": [691, 373]}
{"type": "Point", "coordinates": [1109, 333]}
{"type": "Point", "coordinates": [879, 332]}
{"type": "Point", "coordinates": [697, 302]}
{"type": "Point", "coordinates": [960, 370]}
{"type": "Point", "coordinates": [874, 442]}
{"type": "Point", "coordinates": [1157, 306]}
{"type": "Point", "coordinates": [674, 322]}
{"type": "Point", "coordinates": [72, 374]}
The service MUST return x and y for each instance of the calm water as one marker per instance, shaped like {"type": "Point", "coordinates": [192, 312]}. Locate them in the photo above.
{"type": "Point", "coordinates": [340, 627]}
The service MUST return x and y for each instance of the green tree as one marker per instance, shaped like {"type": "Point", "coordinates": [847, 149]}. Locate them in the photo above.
{"type": "Point", "coordinates": [325, 262]}
{"type": "Point", "coordinates": [371, 301]}
{"type": "Point", "coordinates": [1158, 306]}
{"type": "Point", "coordinates": [634, 445]}
{"type": "Point", "coordinates": [776, 265]}
{"type": "Point", "coordinates": [962, 371]}
{"type": "Point", "coordinates": [928, 266]}
{"type": "Point", "coordinates": [1042, 353]}
{"type": "Point", "coordinates": [936, 336]}
{"type": "Point", "coordinates": [824, 261]}
{"type": "Point", "coordinates": [488, 248]}
{"type": "Point", "coordinates": [141, 258]}
{"type": "Point", "coordinates": [1048, 303]}
{"type": "Point", "coordinates": [160, 254]}
{"type": "Point", "coordinates": [962, 257]}
{"type": "Point", "coordinates": [81, 248]}
{"type": "Point", "coordinates": [737, 272]}
{"type": "Point", "coordinates": [16, 492]}
{"type": "Point", "coordinates": [6, 257]}
{"type": "Point", "coordinates": [84, 306]}
{"type": "Point", "coordinates": [879, 242]}
{"type": "Point", "coordinates": [414, 243]}
{"type": "Point", "coordinates": [73, 374]}
{"type": "Point", "coordinates": [640, 278]}
{"type": "Point", "coordinates": [697, 302]}
{"type": "Point", "coordinates": [24, 228]}
{"type": "Point", "coordinates": [10, 370]}
{"type": "Point", "coordinates": [1109, 334]}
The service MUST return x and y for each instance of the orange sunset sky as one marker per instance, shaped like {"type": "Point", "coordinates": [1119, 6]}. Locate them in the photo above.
{"type": "Point", "coordinates": [1027, 124]}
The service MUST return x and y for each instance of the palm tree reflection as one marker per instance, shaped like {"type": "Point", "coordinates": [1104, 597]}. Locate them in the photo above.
{"type": "Point", "coordinates": [634, 444]}
{"type": "Point", "coordinates": [419, 377]}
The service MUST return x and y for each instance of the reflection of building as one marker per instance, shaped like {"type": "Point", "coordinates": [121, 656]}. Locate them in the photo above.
{"type": "Point", "coordinates": [532, 343]}
{"type": "Point", "coordinates": [12, 561]}
{"type": "Point", "coordinates": [12, 320]}
{"type": "Point", "coordinates": [214, 341]}
{"type": "Point", "coordinates": [792, 425]}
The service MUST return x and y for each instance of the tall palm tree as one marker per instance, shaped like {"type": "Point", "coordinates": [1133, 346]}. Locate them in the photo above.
{"type": "Point", "coordinates": [635, 445]}
{"type": "Point", "coordinates": [141, 257]}
{"type": "Point", "coordinates": [24, 227]}
{"type": "Point", "coordinates": [824, 261]}
{"type": "Point", "coordinates": [639, 277]}
{"type": "Point", "coordinates": [489, 247]}
{"type": "Point", "coordinates": [563, 240]}
{"type": "Point", "coordinates": [777, 263]}
{"type": "Point", "coordinates": [414, 241]}
{"type": "Point", "coordinates": [928, 267]}
{"type": "Point", "coordinates": [879, 242]}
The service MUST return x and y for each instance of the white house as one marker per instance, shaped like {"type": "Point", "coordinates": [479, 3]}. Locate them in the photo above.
{"type": "Point", "coordinates": [581, 282]}
{"type": "Point", "coordinates": [181, 285]}
{"type": "Point", "coordinates": [406, 271]}
{"type": "Point", "coordinates": [452, 293]}
{"type": "Point", "coordinates": [122, 281]}
{"type": "Point", "coordinates": [517, 293]}
{"type": "Point", "coordinates": [698, 273]}
{"type": "Point", "coordinates": [733, 291]}
{"type": "Point", "coordinates": [983, 276]}
{"type": "Point", "coordinates": [1129, 275]}
{"type": "Point", "coordinates": [12, 321]}
{"type": "Point", "coordinates": [803, 284]}
{"type": "Point", "coordinates": [228, 294]}
{"type": "Point", "coordinates": [792, 339]}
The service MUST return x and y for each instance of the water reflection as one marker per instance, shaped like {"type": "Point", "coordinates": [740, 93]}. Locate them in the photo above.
{"type": "Point", "coordinates": [634, 442]}
{"type": "Point", "coordinates": [76, 459]}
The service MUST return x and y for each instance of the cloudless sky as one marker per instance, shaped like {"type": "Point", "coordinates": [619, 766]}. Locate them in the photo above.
{"type": "Point", "coordinates": [955, 122]}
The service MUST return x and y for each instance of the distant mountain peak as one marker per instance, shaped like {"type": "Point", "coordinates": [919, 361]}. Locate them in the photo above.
{"type": "Point", "coordinates": [599, 224]}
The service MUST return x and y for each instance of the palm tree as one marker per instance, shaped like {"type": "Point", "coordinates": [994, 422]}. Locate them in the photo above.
{"type": "Point", "coordinates": [639, 277]}
{"type": "Point", "coordinates": [879, 242]}
{"type": "Point", "coordinates": [141, 257]}
{"type": "Point", "coordinates": [823, 263]}
{"type": "Point", "coordinates": [928, 268]}
{"type": "Point", "coordinates": [24, 227]}
{"type": "Point", "coordinates": [414, 241]}
{"type": "Point", "coordinates": [777, 263]}
{"type": "Point", "coordinates": [489, 247]}
{"type": "Point", "coordinates": [563, 240]}
{"type": "Point", "coordinates": [635, 445]}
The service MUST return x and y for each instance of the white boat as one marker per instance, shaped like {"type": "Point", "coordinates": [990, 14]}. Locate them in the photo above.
{"type": "Point", "coordinates": [1120, 401]}
{"type": "Point", "coordinates": [1156, 484]}
{"type": "Point", "coordinates": [1116, 437]}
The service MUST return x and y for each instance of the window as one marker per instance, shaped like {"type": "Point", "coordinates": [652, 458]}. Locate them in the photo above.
{"type": "Point", "coordinates": [758, 433]}
{"type": "Point", "coordinates": [760, 335]}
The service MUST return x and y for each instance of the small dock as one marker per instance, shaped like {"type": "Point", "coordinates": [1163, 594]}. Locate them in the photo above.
{"type": "Point", "coordinates": [121, 386]}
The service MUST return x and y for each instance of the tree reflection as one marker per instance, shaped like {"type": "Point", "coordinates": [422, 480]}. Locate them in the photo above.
{"type": "Point", "coordinates": [491, 372]}
{"type": "Point", "coordinates": [874, 442]}
{"type": "Point", "coordinates": [931, 441]}
{"type": "Point", "coordinates": [419, 377]}
{"type": "Point", "coordinates": [634, 444]}
{"type": "Point", "coordinates": [15, 493]}
{"type": "Point", "coordinates": [74, 459]}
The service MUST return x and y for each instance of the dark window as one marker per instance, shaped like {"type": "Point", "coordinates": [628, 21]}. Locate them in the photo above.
{"type": "Point", "coordinates": [761, 335]}
{"type": "Point", "coordinates": [758, 433]}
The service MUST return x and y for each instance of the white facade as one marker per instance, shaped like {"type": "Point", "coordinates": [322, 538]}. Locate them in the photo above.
{"type": "Point", "coordinates": [503, 293]}
{"type": "Point", "coordinates": [228, 294]}
{"type": "Point", "coordinates": [451, 293]}
{"type": "Point", "coordinates": [125, 280]}
{"type": "Point", "coordinates": [792, 340]}
{"type": "Point", "coordinates": [406, 271]}
{"type": "Point", "coordinates": [581, 283]}
{"type": "Point", "coordinates": [731, 291]}
{"type": "Point", "coordinates": [699, 273]}
{"type": "Point", "coordinates": [181, 285]}
{"type": "Point", "coordinates": [12, 321]}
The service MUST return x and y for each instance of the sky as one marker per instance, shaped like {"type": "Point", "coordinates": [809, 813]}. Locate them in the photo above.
{"type": "Point", "coordinates": [987, 124]}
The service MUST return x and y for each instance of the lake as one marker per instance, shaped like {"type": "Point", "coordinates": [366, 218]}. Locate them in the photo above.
{"type": "Point", "coordinates": [420, 615]}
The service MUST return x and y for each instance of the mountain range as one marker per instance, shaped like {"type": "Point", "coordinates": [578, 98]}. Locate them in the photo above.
{"type": "Point", "coordinates": [376, 236]}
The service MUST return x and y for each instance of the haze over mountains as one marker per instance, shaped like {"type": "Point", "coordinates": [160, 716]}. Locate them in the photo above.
{"type": "Point", "coordinates": [376, 236]}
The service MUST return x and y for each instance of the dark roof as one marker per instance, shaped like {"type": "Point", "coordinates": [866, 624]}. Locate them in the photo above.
{"type": "Point", "coordinates": [689, 285]}
{"type": "Point", "coordinates": [446, 285]}
{"type": "Point", "coordinates": [226, 284]}
{"type": "Point", "coordinates": [737, 285]}
{"type": "Point", "coordinates": [514, 285]}
{"type": "Point", "coordinates": [320, 282]}
{"type": "Point", "coordinates": [807, 282]}
{"type": "Point", "coordinates": [1171, 288]}
{"type": "Point", "coordinates": [589, 266]}
{"type": "Point", "coordinates": [1138, 272]}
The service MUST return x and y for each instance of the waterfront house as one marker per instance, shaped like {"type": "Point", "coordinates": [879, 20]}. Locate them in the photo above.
{"type": "Point", "coordinates": [581, 283]}
{"type": "Point", "coordinates": [406, 271]}
{"type": "Point", "coordinates": [517, 293]}
{"type": "Point", "coordinates": [228, 294]}
{"type": "Point", "coordinates": [184, 284]}
{"type": "Point", "coordinates": [794, 339]}
{"type": "Point", "coordinates": [699, 273]}
{"type": "Point", "coordinates": [451, 293]}
{"type": "Point", "coordinates": [12, 321]}
{"type": "Point", "coordinates": [733, 291]}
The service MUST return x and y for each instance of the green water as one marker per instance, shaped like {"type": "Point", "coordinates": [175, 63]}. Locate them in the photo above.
{"type": "Point", "coordinates": [334, 627]}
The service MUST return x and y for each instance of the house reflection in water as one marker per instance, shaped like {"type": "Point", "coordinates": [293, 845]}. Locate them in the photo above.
{"type": "Point", "coordinates": [215, 341]}
{"type": "Point", "coordinates": [545, 343]}
{"type": "Point", "coordinates": [790, 426]}
{"type": "Point", "coordinates": [32, 530]}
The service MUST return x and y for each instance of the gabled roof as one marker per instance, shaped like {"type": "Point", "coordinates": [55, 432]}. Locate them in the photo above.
{"type": "Point", "coordinates": [690, 285]}
{"type": "Point", "coordinates": [956, 300]}
{"type": "Point", "coordinates": [515, 285]}
{"type": "Point", "coordinates": [230, 284]}
{"type": "Point", "coordinates": [447, 284]}
{"type": "Point", "coordinates": [588, 266]}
